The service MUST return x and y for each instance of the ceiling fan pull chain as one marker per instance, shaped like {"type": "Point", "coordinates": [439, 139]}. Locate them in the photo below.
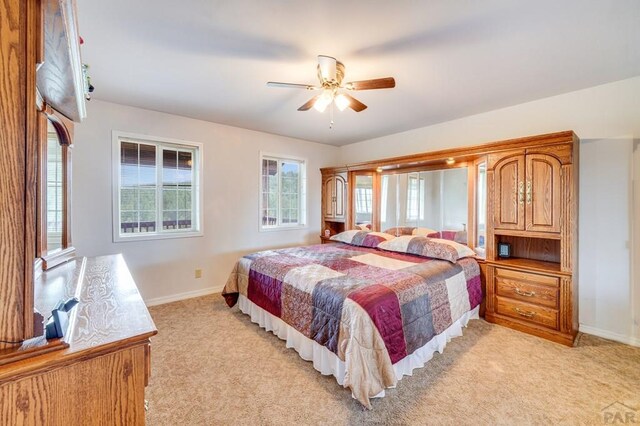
{"type": "Point", "coordinates": [331, 116]}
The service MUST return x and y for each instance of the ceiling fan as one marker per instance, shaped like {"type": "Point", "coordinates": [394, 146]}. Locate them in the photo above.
{"type": "Point", "coordinates": [330, 74]}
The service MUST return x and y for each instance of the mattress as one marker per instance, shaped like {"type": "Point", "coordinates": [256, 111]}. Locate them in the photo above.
{"type": "Point", "coordinates": [372, 315]}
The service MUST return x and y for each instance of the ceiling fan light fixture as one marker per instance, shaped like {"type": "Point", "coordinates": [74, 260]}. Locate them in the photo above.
{"type": "Point", "coordinates": [323, 101]}
{"type": "Point", "coordinates": [342, 102]}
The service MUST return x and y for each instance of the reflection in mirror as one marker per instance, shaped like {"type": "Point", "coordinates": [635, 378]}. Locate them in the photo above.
{"type": "Point", "coordinates": [363, 200]}
{"type": "Point", "coordinates": [481, 208]}
{"type": "Point", "coordinates": [55, 189]}
{"type": "Point", "coordinates": [436, 199]}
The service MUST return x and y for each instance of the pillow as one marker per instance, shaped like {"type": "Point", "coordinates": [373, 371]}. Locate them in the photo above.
{"type": "Point", "coordinates": [364, 226]}
{"type": "Point", "coordinates": [428, 247]}
{"type": "Point", "coordinates": [424, 232]}
{"type": "Point", "coordinates": [362, 238]}
{"type": "Point", "coordinates": [400, 230]}
{"type": "Point", "coordinates": [457, 236]}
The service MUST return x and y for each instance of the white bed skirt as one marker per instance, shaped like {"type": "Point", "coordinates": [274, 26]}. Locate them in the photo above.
{"type": "Point", "coordinates": [328, 363]}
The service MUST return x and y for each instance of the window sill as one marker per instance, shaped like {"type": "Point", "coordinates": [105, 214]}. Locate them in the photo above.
{"type": "Point", "coordinates": [163, 236]}
{"type": "Point", "coordinates": [283, 228]}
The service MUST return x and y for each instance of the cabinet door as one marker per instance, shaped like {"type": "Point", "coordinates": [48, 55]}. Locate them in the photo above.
{"type": "Point", "coordinates": [340, 212]}
{"type": "Point", "coordinates": [509, 183]}
{"type": "Point", "coordinates": [543, 188]}
{"type": "Point", "coordinates": [328, 194]}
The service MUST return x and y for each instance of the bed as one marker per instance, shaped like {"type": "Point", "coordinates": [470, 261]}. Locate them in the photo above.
{"type": "Point", "coordinates": [364, 315]}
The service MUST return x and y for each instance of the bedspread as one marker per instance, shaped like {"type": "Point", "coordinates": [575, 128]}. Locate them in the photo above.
{"type": "Point", "coordinates": [370, 307]}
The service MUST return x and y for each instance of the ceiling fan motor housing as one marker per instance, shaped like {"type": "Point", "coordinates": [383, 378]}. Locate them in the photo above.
{"type": "Point", "coordinates": [330, 72]}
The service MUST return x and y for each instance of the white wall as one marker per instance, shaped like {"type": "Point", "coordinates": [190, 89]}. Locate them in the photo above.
{"type": "Point", "coordinates": [165, 268]}
{"type": "Point", "coordinates": [606, 118]}
{"type": "Point", "coordinates": [610, 110]}
{"type": "Point", "coordinates": [635, 267]}
{"type": "Point", "coordinates": [605, 237]}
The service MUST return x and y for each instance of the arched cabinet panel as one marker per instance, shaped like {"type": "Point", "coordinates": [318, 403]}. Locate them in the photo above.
{"type": "Point", "coordinates": [509, 194]}
{"type": "Point", "coordinates": [543, 188]}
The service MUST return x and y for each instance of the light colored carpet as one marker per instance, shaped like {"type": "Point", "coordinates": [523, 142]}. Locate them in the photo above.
{"type": "Point", "coordinates": [212, 366]}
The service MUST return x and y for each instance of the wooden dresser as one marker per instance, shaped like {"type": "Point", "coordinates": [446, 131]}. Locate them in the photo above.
{"type": "Point", "coordinates": [98, 372]}
{"type": "Point", "coordinates": [533, 206]}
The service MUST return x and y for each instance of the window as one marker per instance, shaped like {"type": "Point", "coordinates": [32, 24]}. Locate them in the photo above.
{"type": "Point", "coordinates": [282, 192]}
{"type": "Point", "coordinates": [415, 198]}
{"type": "Point", "coordinates": [157, 191]}
{"type": "Point", "coordinates": [364, 198]}
{"type": "Point", "coordinates": [385, 190]}
{"type": "Point", "coordinates": [54, 190]}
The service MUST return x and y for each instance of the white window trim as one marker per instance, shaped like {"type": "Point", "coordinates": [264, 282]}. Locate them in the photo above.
{"type": "Point", "coordinates": [116, 136]}
{"type": "Point", "coordinates": [419, 200]}
{"type": "Point", "coordinates": [303, 193]}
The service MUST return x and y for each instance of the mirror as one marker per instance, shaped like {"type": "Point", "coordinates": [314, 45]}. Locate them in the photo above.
{"type": "Point", "coordinates": [53, 241]}
{"type": "Point", "coordinates": [481, 207]}
{"type": "Point", "coordinates": [54, 190]}
{"type": "Point", "coordinates": [435, 199]}
{"type": "Point", "coordinates": [363, 201]}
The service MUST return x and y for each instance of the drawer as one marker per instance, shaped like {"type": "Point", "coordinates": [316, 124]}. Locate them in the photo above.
{"type": "Point", "coordinates": [527, 312]}
{"type": "Point", "coordinates": [531, 288]}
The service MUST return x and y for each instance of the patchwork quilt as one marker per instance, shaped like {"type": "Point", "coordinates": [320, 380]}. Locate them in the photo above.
{"type": "Point", "coordinates": [370, 307]}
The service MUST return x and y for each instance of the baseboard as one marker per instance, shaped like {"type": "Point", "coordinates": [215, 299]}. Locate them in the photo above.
{"type": "Point", "coordinates": [629, 340]}
{"type": "Point", "coordinates": [182, 296]}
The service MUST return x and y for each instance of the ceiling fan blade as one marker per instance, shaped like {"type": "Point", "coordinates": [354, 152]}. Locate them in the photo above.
{"type": "Point", "coordinates": [377, 83]}
{"type": "Point", "coordinates": [307, 106]}
{"type": "Point", "coordinates": [292, 85]}
{"type": "Point", "coordinates": [355, 104]}
{"type": "Point", "coordinates": [327, 66]}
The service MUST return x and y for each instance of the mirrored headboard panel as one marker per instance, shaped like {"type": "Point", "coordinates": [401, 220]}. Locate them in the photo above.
{"type": "Point", "coordinates": [433, 199]}
{"type": "Point", "coordinates": [363, 200]}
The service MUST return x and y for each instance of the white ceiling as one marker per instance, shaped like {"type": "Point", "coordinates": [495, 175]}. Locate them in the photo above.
{"type": "Point", "coordinates": [210, 59]}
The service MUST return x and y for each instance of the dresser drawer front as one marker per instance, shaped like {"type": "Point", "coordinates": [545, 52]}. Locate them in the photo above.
{"type": "Point", "coordinates": [536, 289]}
{"type": "Point", "coordinates": [527, 312]}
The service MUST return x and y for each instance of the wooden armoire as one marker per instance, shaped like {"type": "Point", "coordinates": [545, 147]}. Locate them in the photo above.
{"type": "Point", "coordinates": [335, 211]}
{"type": "Point", "coordinates": [533, 203]}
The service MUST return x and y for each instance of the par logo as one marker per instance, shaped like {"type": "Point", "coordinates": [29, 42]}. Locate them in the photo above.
{"type": "Point", "coordinates": [618, 413]}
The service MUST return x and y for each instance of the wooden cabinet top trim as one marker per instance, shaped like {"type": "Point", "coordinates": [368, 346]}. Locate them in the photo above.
{"type": "Point", "coordinates": [464, 153]}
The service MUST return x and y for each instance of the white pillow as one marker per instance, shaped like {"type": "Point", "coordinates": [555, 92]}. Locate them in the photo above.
{"type": "Point", "coordinates": [423, 232]}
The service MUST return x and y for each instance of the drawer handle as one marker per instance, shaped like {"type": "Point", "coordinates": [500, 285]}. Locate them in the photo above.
{"type": "Point", "coordinates": [521, 192]}
{"type": "Point", "coordinates": [524, 293]}
{"type": "Point", "coordinates": [527, 314]}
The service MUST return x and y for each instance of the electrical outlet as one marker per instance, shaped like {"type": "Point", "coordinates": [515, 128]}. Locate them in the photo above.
{"type": "Point", "coordinates": [198, 273]}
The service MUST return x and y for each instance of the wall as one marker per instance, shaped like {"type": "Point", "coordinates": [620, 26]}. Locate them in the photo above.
{"type": "Point", "coordinates": [635, 270]}
{"type": "Point", "coordinates": [610, 110]}
{"type": "Point", "coordinates": [606, 120]}
{"type": "Point", "coordinates": [164, 269]}
{"type": "Point", "coordinates": [605, 237]}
